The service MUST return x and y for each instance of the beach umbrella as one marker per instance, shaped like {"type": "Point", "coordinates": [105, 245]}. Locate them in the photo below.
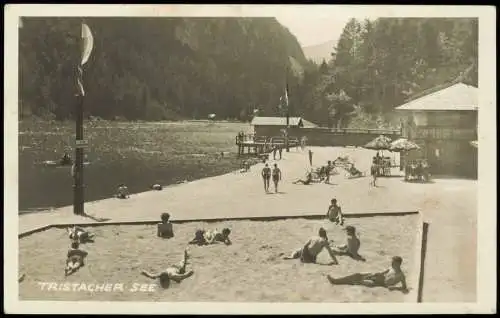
{"type": "Point", "coordinates": [402, 145]}
{"type": "Point", "coordinates": [380, 143]}
{"type": "Point", "coordinates": [474, 143]}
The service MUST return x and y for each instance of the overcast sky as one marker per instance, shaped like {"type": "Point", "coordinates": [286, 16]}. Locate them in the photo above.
{"type": "Point", "coordinates": [313, 29]}
{"type": "Point", "coordinates": [311, 24]}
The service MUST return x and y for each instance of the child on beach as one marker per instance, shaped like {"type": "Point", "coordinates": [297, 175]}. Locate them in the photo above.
{"type": "Point", "coordinates": [388, 278]}
{"type": "Point", "coordinates": [164, 229]}
{"type": "Point", "coordinates": [334, 213]}
{"type": "Point", "coordinates": [176, 273]}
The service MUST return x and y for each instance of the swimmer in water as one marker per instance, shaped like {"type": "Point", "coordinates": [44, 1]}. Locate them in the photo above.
{"type": "Point", "coordinates": [388, 278]}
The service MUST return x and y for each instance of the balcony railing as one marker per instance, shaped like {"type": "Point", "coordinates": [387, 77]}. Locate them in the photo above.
{"type": "Point", "coordinates": [444, 133]}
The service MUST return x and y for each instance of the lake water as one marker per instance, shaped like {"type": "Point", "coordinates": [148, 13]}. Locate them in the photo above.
{"type": "Point", "coordinates": [138, 155]}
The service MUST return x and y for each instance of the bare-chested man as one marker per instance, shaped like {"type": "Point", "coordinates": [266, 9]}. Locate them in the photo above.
{"type": "Point", "coordinates": [177, 273]}
{"type": "Point", "coordinates": [351, 248]}
{"type": "Point", "coordinates": [203, 237]}
{"type": "Point", "coordinates": [276, 177]}
{"type": "Point", "coordinates": [314, 246]}
{"type": "Point", "coordinates": [75, 259]}
{"type": "Point", "coordinates": [388, 278]}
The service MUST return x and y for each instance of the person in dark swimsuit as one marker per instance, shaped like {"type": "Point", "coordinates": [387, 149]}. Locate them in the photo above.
{"type": "Point", "coordinates": [266, 177]}
{"type": "Point", "coordinates": [276, 177]}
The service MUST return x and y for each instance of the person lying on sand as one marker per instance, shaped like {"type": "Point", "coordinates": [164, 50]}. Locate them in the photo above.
{"type": "Point", "coordinates": [21, 278]}
{"type": "Point", "coordinates": [388, 278]}
{"type": "Point", "coordinates": [314, 246]}
{"type": "Point", "coordinates": [350, 249]}
{"type": "Point", "coordinates": [203, 237]}
{"type": "Point", "coordinates": [75, 259]}
{"type": "Point", "coordinates": [176, 273]}
{"type": "Point", "coordinates": [122, 192]}
{"type": "Point", "coordinates": [165, 229]}
{"type": "Point", "coordinates": [79, 235]}
{"type": "Point", "coordinates": [334, 213]}
{"type": "Point", "coordinates": [308, 180]}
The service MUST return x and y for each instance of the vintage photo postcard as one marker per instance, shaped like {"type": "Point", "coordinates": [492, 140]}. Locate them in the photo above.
{"type": "Point", "coordinates": [264, 159]}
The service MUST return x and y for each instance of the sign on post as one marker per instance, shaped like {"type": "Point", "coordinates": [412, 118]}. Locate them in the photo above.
{"type": "Point", "coordinates": [81, 143]}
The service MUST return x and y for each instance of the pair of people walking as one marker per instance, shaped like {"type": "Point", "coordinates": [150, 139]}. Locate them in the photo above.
{"type": "Point", "coordinates": [266, 177]}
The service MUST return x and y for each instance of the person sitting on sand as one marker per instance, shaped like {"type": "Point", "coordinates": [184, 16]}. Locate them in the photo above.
{"type": "Point", "coordinates": [203, 237]}
{"type": "Point", "coordinates": [165, 229]}
{"type": "Point", "coordinates": [307, 181]}
{"type": "Point", "coordinates": [21, 277]}
{"type": "Point", "coordinates": [122, 192]}
{"type": "Point", "coordinates": [388, 278]}
{"type": "Point", "coordinates": [309, 252]}
{"type": "Point", "coordinates": [79, 235]}
{"type": "Point", "coordinates": [157, 187]}
{"type": "Point", "coordinates": [351, 248]}
{"type": "Point", "coordinates": [75, 259]}
{"type": "Point", "coordinates": [176, 273]}
{"type": "Point", "coordinates": [334, 213]}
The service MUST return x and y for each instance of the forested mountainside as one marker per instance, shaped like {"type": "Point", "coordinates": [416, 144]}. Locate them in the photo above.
{"type": "Point", "coordinates": [157, 68]}
{"type": "Point", "coordinates": [379, 64]}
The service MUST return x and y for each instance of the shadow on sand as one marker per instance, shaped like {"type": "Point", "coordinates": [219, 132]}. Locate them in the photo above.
{"type": "Point", "coordinates": [94, 218]}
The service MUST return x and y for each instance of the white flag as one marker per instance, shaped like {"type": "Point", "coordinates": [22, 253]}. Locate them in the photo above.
{"type": "Point", "coordinates": [286, 95]}
{"type": "Point", "coordinates": [88, 43]}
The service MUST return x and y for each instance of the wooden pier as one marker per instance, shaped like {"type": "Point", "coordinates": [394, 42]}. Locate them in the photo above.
{"type": "Point", "coordinates": [261, 145]}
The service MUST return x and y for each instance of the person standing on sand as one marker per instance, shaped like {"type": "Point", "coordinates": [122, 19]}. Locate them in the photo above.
{"type": "Point", "coordinates": [280, 150]}
{"type": "Point", "coordinates": [310, 157]}
{"type": "Point", "coordinates": [275, 149]}
{"type": "Point", "coordinates": [388, 278]}
{"type": "Point", "coordinates": [303, 142]}
{"type": "Point", "coordinates": [276, 177]}
{"type": "Point", "coordinates": [266, 177]}
{"type": "Point", "coordinates": [314, 246]}
{"type": "Point", "coordinates": [334, 213]}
